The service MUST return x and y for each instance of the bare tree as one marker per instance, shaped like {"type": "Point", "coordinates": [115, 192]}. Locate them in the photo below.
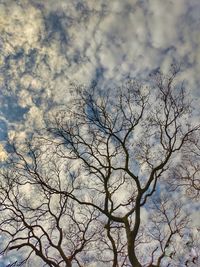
{"type": "Point", "coordinates": [39, 221]}
{"type": "Point", "coordinates": [95, 171]}
{"type": "Point", "coordinates": [186, 173]}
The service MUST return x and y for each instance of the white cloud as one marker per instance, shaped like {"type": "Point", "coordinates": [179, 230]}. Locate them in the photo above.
{"type": "Point", "coordinates": [46, 45]}
{"type": "Point", "coordinates": [3, 154]}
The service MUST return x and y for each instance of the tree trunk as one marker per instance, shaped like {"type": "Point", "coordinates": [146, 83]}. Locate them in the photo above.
{"type": "Point", "coordinates": [131, 253]}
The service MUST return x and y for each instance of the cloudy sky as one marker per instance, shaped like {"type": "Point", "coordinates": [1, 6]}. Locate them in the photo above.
{"type": "Point", "coordinates": [46, 45]}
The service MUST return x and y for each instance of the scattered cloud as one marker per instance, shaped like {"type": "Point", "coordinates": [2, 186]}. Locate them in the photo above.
{"type": "Point", "coordinates": [45, 45]}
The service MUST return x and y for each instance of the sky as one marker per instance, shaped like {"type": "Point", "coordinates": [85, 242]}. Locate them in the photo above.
{"type": "Point", "coordinates": [48, 45]}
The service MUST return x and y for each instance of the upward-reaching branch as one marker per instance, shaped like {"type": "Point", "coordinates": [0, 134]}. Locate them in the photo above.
{"type": "Point", "coordinates": [94, 171]}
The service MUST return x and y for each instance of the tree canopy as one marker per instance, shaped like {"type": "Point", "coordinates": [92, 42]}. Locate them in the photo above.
{"type": "Point", "coordinates": [107, 181]}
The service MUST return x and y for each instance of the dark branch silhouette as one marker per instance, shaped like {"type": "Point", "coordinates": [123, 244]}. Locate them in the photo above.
{"type": "Point", "coordinates": [76, 194]}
